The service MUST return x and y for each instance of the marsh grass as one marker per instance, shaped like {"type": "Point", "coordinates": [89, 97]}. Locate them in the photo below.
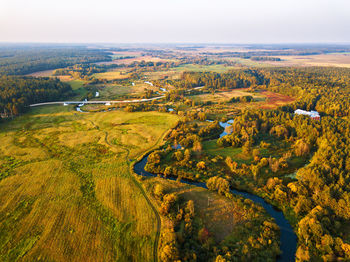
{"type": "Point", "coordinates": [66, 190]}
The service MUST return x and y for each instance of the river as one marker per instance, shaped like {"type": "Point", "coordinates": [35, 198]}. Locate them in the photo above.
{"type": "Point", "coordinates": [288, 239]}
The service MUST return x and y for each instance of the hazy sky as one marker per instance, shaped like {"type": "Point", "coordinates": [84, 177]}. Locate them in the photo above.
{"type": "Point", "coordinates": [165, 21]}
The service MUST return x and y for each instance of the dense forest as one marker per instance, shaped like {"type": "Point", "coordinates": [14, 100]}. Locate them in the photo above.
{"type": "Point", "coordinates": [16, 93]}
{"type": "Point", "coordinates": [317, 199]}
{"type": "Point", "coordinates": [28, 59]}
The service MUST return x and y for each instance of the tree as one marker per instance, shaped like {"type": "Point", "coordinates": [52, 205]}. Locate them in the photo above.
{"type": "Point", "coordinates": [190, 208]}
{"type": "Point", "coordinates": [301, 148]}
{"type": "Point", "coordinates": [197, 146]}
{"type": "Point", "coordinates": [247, 147]}
{"type": "Point", "coordinates": [159, 191]}
{"type": "Point", "coordinates": [201, 165]}
{"type": "Point", "coordinates": [179, 155]}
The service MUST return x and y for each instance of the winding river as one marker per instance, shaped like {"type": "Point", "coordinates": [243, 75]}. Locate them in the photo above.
{"type": "Point", "coordinates": [288, 240]}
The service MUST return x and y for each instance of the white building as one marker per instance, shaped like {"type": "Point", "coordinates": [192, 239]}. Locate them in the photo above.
{"type": "Point", "coordinates": [313, 114]}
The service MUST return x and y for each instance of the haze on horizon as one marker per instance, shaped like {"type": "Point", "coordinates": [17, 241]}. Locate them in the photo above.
{"type": "Point", "coordinates": [175, 21]}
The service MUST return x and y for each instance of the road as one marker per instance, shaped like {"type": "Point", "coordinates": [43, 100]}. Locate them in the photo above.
{"type": "Point", "coordinates": [105, 102]}
{"type": "Point", "coordinates": [98, 102]}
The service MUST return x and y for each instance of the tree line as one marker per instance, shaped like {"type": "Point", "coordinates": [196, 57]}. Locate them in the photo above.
{"type": "Point", "coordinates": [16, 93]}
{"type": "Point", "coordinates": [29, 59]}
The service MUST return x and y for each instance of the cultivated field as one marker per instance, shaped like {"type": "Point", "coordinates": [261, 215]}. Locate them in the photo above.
{"type": "Point", "coordinates": [337, 60]}
{"type": "Point", "coordinates": [65, 189]}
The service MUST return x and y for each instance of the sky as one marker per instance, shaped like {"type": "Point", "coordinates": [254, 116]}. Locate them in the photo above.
{"type": "Point", "coordinates": [175, 21]}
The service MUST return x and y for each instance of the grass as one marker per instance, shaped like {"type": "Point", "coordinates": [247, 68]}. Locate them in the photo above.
{"type": "Point", "coordinates": [204, 68]}
{"type": "Point", "coordinates": [235, 153]}
{"type": "Point", "coordinates": [230, 221]}
{"type": "Point", "coordinates": [78, 87]}
{"type": "Point", "coordinates": [76, 84]}
{"type": "Point", "coordinates": [225, 96]}
{"type": "Point", "coordinates": [66, 190]}
{"type": "Point", "coordinates": [110, 75]}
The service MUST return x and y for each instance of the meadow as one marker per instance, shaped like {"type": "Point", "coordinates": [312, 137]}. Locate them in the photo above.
{"type": "Point", "coordinates": [204, 68]}
{"type": "Point", "coordinates": [66, 189]}
{"type": "Point", "coordinates": [113, 74]}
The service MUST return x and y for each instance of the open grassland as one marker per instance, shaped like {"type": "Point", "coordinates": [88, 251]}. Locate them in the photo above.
{"type": "Point", "coordinates": [111, 75]}
{"type": "Point", "coordinates": [78, 87]}
{"type": "Point", "coordinates": [335, 59]}
{"type": "Point", "coordinates": [115, 92]}
{"type": "Point", "coordinates": [262, 99]}
{"type": "Point", "coordinates": [65, 189]}
{"type": "Point", "coordinates": [224, 96]}
{"type": "Point", "coordinates": [163, 74]}
{"type": "Point", "coordinates": [204, 68]}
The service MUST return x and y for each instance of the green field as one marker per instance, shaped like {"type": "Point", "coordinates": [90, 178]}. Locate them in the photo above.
{"type": "Point", "coordinates": [234, 152]}
{"type": "Point", "coordinates": [66, 191]}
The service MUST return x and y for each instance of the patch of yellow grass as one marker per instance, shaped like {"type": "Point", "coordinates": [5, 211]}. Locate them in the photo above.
{"type": "Point", "coordinates": [110, 75]}
{"type": "Point", "coordinates": [70, 197]}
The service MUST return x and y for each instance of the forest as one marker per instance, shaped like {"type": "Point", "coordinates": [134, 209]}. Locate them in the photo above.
{"type": "Point", "coordinates": [16, 93]}
{"type": "Point", "coordinates": [22, 60]}
{"type": "Point", "coordinates": [317, 199]}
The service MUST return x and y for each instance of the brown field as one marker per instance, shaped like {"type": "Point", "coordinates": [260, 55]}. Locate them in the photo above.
{"type": "Point", "coordinates": [338, 60]}
{"type": "Point", "coordinates": [135, 59]}
{"type": "Point", "coordinates": [222, 96]}
{"type": "Point", "coordinates": [274, 100]}
{"type": "Point", "coordinates": [263, 99]}
{"type": "Point", "coordinates": [113, 74]}
{"type": "Point", "coordinates": [45, 73]}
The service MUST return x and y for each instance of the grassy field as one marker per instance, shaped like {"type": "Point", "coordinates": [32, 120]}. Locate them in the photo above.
{"type": "Point", "coordinates": [262, 99]}
{"type": "Point", "coordinates": [335, 59]}
{"type": "Point", "coordinates": [227, 95]}
{"type": "Point", "coordinates": [204, 68]}
{"type": "Point", "coordinates": [110, 75]}
{"type": "Point", "coordinates": [115, 92]}
{"type": "Point", "coordinates": [66, 190]}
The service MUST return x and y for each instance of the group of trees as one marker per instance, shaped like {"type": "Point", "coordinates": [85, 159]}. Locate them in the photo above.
{"type": "Point", "coordinates": [16, 93]}
{"type": "Point", "coordinates": [309, 85]}
{"type": "Point", "coordinates": [83, 71]}
{"type": "Point", "coordinates": [265, 58]}
{"type": "Point", "coordinates": [231, 80]}
{"type": "Point", "coordinates": [318, 202]}
{"type": "Point", "coordinates": [187, 237]}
